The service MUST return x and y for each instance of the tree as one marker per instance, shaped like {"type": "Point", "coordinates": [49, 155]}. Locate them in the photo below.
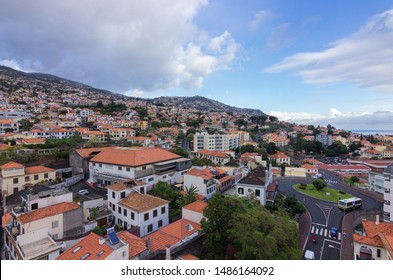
{"type": "Point", "coordinates": [240, 123]}
{"type": "Point", "coordinates": [238, 229]}
{"type": "Point", "coordinates": [271, 148]}
{"type": "Point", "coordinates": [293, 207]}
{"type": "Point", "coordinates": [190, 195]}
{"type": "Point", "coordinates": [201, 162]}
{"type": "Point", "coordinates": [319, 184]}
{"type": "Point", "coordinates": [248, 148]}
{"type": "Point", "coordinates": [354, 180]}
{"type": "Point", "coordinates": [8, 130]}
{"type": "Point", "coordinates": [179, 151]}
{"type": "Point", "coordinates": [165, 191]}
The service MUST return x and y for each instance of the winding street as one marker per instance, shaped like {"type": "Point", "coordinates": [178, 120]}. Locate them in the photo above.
{"type": "Point", "coordinates": [324, 215]}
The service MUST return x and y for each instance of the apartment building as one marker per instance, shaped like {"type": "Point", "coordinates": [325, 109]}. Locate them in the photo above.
{"type": "Point", "coordinates": [34, 235]}
{"type": "Point", "coordinates": [8, 125]}
{"type": "Point", "coordinates": [149, 165]}
{"type": "Point", "coordinates": [216, 142]}
{"type": "Point", "coordinates": [324, 138]}
{"type": "Point", "coordinates": [14, 177]}
{"type": "Point", "coordinates": [132, 208]}
{"type": "Point", "coordinates": [388, 194]}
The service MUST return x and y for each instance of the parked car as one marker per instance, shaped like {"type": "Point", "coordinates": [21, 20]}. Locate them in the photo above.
{"type": "Point", "coordinates": [84, 192]}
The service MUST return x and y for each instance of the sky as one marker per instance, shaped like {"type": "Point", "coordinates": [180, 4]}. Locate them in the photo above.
{"type": "Point", "coordinates": [307, 61]}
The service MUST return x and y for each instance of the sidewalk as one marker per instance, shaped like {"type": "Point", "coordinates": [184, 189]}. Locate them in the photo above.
{"type": "Point", "coordinates": [347, 242]}
{"type": "Point", "coordinates": [304, 229]}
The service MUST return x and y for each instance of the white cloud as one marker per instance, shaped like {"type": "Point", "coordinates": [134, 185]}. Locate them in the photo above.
{"type": "Point", "coordinates": [122, 46]}
{"type": "Point", "coordinates": [347, 120]}
{"type": "Point", "coordinates": [261, 17]}
{"type": "Point", "coordinates": [365, 58]}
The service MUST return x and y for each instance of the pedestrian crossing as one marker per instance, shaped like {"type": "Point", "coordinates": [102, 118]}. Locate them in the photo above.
{"type": "Point", "coordinates": [323, 232]}
{"type": "Point", "coordinates": [331, 181]}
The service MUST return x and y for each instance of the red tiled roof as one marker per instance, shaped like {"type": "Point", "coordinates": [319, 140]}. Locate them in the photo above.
{"type": "Point", "coordinates": [136, 245]}
{"type": "Point", "coordinates": [196, 206]}
{"type": "Point", "coordinates": [124, 185]}
{"type": "Point", "coordinates": [226, 178]}
{"type": "Point", "coordinates": [134, 156]}
{"type": "Point", "coordinates": [11, 165]}
{"type": "Point", "coordinates": [142, 202]}
{"type": "Point", "coordinates": [85, 153]}
{"type": "Point", "coordinates": [279, 155]}
{"type": "Point", "coordinates": [213, 153]}
{"type": "Point", "coordinates": [188, 257]}
{"type": "Point", "coordinates": [88, 245]}
{"type": "Point", "coordinates": [47, 212]}
{"type": "Point", "coordinates": [37, 169]}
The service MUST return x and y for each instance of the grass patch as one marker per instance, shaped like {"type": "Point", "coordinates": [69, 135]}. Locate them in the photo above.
{"type": "Point", "coordinates": [327, 194]}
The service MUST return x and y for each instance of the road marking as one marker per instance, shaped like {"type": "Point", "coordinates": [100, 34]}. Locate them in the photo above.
{"type": "Point", "coordinates": [312, 229]}
{"type": "Point", "coordinates": [319, 224]}
{"type": "Point", "coordinates": [316, 231]}
{"type": "Point", "coordinates": [339, 236]}
{"type": "Point", "coordinates": [325, 232]}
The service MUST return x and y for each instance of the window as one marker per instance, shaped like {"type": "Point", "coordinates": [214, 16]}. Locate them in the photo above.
{"type": "Point", "coordinates": [35, 177]}
{"type": "Point", "coordinates": [119, 209]}
{"type": "Point", "coordinates": [125, 212]}
{"type": "Point", "coordinates": [27, 178]}
{"type": "Point", "coordinates": [119, 168]}
{"type": "Point", "coordinates": [113, 194]}
{"type": "Point", "coordinates": [120, 222]}
{"type": "Point", "coordinates": [150, 179]}
{"type": "Point", "coordinates": [110, 204]}
{"type": "Point", "coordinates": [163, 210]}
{"type": "Point", "coordinates": [123, 195]}
{"type": "Point", "coordinates": [378, 253]}
{"type": "Point", "coordinates": [34, 206]}
{"type": "Point", "coordinates": [146, 216]}
{"type": "Point", "coordinates": [132, 215]}
{"type": "Point", "coordinates": [143, 167]}
{"type": "Point", "coordinates": [46, 175]}
{"type": "Point", "coordinates": [55, 224]}
{"type": "Point", "coordinates": [150, 228]}
{"type": "Point", "coordinates": [160, 223]}
{"type": "Point", "coordinates": [113, 207]}
{"type": "Point", "coordinates": [15, 180]}
{"type": "Point", "coordinates": [128, 169]}
{"type": "Point", "coordinates": [94, 164]}
{"type": "Point", "coordinates": [142, 190]}
{"type": "Point", "coordinates": [155, 213]}
{"type": "Point", "coordinates": [240, 191]}
{"type": "Point", "coordinates": [257, 192]}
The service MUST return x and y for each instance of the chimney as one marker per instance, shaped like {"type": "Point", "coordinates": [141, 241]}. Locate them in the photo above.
{"type": "Point", "coordinates": [148, 244]}
{"type": "Point", "coordinates": [101, 241]}
{"type": "Point", "coordinates": [168, 252]}
{"type": "Point", "coordinates": [377, 219]}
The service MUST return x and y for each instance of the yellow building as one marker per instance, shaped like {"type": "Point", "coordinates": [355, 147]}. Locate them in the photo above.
{"type": "Point", "coordinates": [15, 177]}
{"type": "Point", "coordinates": [295, 171]}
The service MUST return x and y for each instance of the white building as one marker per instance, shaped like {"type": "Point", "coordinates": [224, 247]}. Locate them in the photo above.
{"type": "Point", "coordinates": [376, 182]}
{"type": "Point", "coordinates": [375, 242]}
{"type": "Point", "coordinates": [149, 165]}
{"type": "Point", "coordinates": [40, 197]}
{"type": "Point", "coordinates": [388, 194]}
{"type": "Point", "coordinates": [131, 208]}
{"type": "Point", "coordinates": [217, 158]}
{"type": "Point", "coordinates": [216, 142]}
{"type": "Point", "coordinates": [324, 138]}
{"type": "Point", "coordinates": [255, 185]}
{"type": "Point", "coordinates": [193, 211]}
{"type": "Point", "coordinates": [86, 112]}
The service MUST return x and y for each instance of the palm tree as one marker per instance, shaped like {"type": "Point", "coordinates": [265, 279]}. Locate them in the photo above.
{"type": "Point", "coordinates": [190, 196]}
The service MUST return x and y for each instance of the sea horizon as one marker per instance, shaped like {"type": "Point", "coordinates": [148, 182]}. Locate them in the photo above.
{"type": "Point", "coordinates": [373, 131]}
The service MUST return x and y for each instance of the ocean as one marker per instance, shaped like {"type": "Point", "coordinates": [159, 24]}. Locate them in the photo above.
{"type": "Point", "coordinates": [374, 132]}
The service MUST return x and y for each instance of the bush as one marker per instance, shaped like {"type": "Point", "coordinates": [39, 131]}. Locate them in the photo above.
{"type": "Point", "coordinates": [342, 192]}
{"type": "Point", "coordinates": [303, 186]}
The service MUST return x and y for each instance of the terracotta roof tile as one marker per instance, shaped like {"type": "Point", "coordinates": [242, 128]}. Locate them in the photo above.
{"type": "Point", "coordinates": [198, 196]}
{"type": "Point", "coordinates": [189, 257]}
{"type": "Point", "coordinates": [11, 165]}
{"type": "Point", "coordinates": [142, 202]}
{"type": "Point", "coordinates": [88, 245]}
{"type": "Point", "coordinates": [279, 155]}
{"type": "Point", "coordinates": [85, 153]}
{"type": "Point", "coordinates": [213, 153]}
{"type": "Point", "coordinates": [37, 169]}
{"type": "Point", "coordinates": [196, 206]}
{"type": "Point", "coordinates": [47, 212]}
{"type": "Point", "coordinates": [136, 244]}
{"type": "Point", "coordinates": [134, 156]}
{"type": "Point", "coordinates": [124, 185]}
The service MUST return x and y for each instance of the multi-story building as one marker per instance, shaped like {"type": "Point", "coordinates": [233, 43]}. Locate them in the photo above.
{"type": "Point", "coordinates": [132, 208]}
{"type": "Point", "coordinates": [388, 194]}
{"type": "Point", "coordinates": [324, 138]}
{"type": "Point", "coordinates": [281, 158]}
{"type": "Point", "coordinates": [58, 133]}
{"type": "Point", "coordinates": [376, 182]}
{"type": "Point", "coordinates": [34, 235]}
{"type": "Point", "coordinates": [14, 114]}
{"type": "Point", "coordinates": [8, 125]}
{"type": "Point", "coordinates": [217, 158]}
{"type": "Point", "coordinates": [207, 180]}
{"type": "Point", "coordinates": [255, 185]}
{"type": "Point", "coordinates": [149, 165]}
{"type": "Point", "coordinates": [216, 142]}
{"type": "Point", "coordinates": [14, 176]}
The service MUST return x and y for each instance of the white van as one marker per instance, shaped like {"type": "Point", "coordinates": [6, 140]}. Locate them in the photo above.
{"type": "Point", "coordinates": [309, 255]}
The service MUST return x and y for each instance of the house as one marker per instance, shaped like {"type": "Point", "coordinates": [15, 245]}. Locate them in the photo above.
{"type": "Point", "coordinates": [217, 158]}
{"type": "Point", "coordinates": [132, 208]}
{"type": "Point", "coordinates": [310, 169]}
{"type": "Point", "coordinates": [143, 141]}
{"type": "Point", "coordinates": [8, 125]}
{"type": "Point", "coordinates": [31, 234]}
{"type": "Point", "coordinates": [137, 247]}
{"type": "Point", "coordinates": [149, 165]}
{"type": "Point", "coordinates": [194, 211]}
{"type": "Point", "coordinates": [207, 180]}
{"type": "Point", "coordinates": [376, 242]}
{"type": "Point", "coordinates": [96, 247]}
{"type": "Point", "coordinates": [170, 239]}
{"type": "Point", "coordinates": [80, 158]}
{"type": "Point", "coordinates": [295, 171]}
{"type": "Point", "coordinates": [37, 197]}
{"type": "Point", "coordinates": [281, 158]}
{"type": "Point", "coordinates": [14, 177]}
{"type": "Point", "coordinates": [255, 184]}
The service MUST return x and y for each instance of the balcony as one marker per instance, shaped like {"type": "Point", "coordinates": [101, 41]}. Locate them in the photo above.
{"type": "Point", "coordinates": [143, 173]}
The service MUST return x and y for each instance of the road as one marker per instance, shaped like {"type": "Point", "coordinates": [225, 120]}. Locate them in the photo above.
{"type": "Point", "coordinates": [324, 215]}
